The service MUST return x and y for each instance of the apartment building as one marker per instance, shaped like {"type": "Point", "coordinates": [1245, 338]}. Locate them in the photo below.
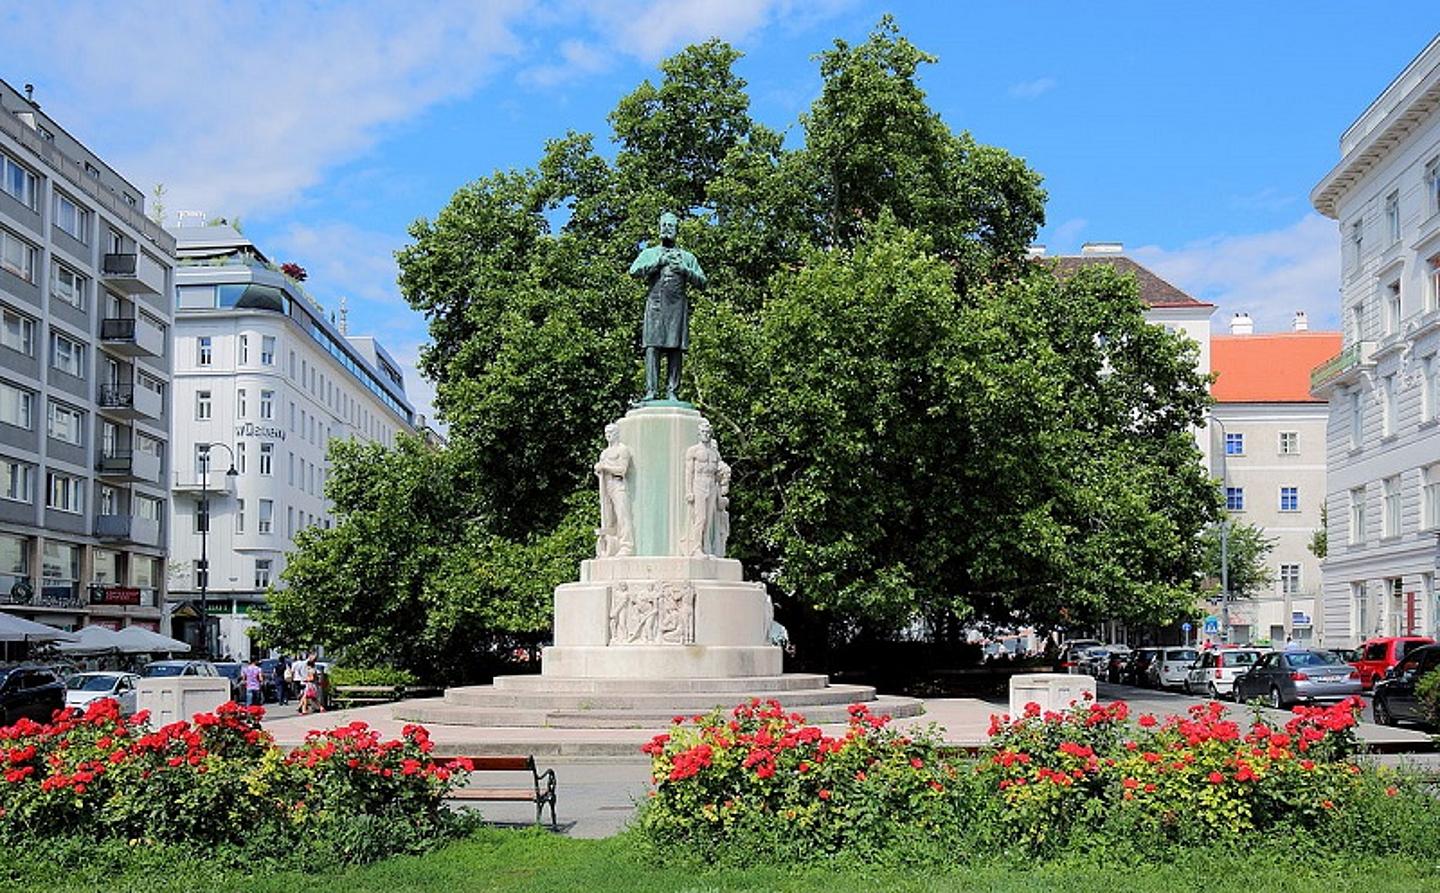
{"type": "Point", "coordinates": [1270, 442]}
{"type": "Point", "coordinates": [1383, 450]}
{"type": "Point", "coordinates": [264, 381]}
{"type": "Point", "coordinates": [86, 282]}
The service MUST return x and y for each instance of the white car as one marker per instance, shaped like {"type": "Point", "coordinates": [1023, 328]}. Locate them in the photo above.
{"type": "Point", "coordinates": [84, 688]}
{"type": "Point", "coordinates": [1214, 674]}
{"type": "Point", "coordinates": [1171, 666]}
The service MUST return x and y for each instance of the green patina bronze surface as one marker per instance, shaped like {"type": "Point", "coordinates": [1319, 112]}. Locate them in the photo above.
{"type": "Point", "coordinates": [668, 272]}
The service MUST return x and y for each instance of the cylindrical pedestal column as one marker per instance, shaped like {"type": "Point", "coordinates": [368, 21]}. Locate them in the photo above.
{"type": "Point", "coordinates": [658, 437]}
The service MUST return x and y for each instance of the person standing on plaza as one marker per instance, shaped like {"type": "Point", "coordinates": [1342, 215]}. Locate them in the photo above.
{"type": "Point", "coordinates": [282, 681]}
{"type": "Point", "coordinates": [254, 679]}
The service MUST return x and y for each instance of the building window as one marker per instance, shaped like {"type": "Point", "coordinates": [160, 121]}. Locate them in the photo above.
{"type": "Point", "coordinates": [1357, 320]}
{"type": "Point", "coordinates": [267, 458]}
{"type": "Point", "coordinates": [1289, 499]}
{"type": "Point", "coordinates": [202, 405]}
{"type": "Point", "coordinates": [290, 522]}
{"type": "Point", "coordinates": [63, 492]}
{"type": "Point", "coordinates": [204, 351]}
{"type": "Point", "coordinates": [17, 332]}
{"type": "Point", "coordinates": [1430, 496]}
{"type": "Point", "coordinates": [1357, 420]}
{"type": "Point", "coordinates": [1234, 444]}
{"type": "Point", "coordinates": [1432, 290]}
{"type": "Point", "coordinates": [68, 286]}
{"type": "Point", "coordinates": [17, 256]}
{"type": "Point", "coordinates": [1235, 499]}
{"type": "Point", "coordinates": [240, 409]}
{"type": "Point", "coordinates": [262, 573]}
{"type": "Point", "coordinates": [1392, 217]}
{"type": "Point", "coordinates": [1361, 600]}
{"type": "Point", "coordinates": [1387, 406]}
{"type": "Point", "coordinates": [71, 217]}
{"type": "Point", "coordinates": [1432, 186]}
{"type": "Point", "coordinates": [1392, 308]}
{"type": "Point", "coordinates": [1357, 516]}
{"type": "Point", "coordinates": [66, 424]}
{"type": "Point", "coordinates": [267, 350]}
{"type": "Point", "coordinates": [18, 482]}
{"type": "Point", "coordinates": [60, 567]}
{"type": "Point", "coordinates": [16, 406]}
{"type": "Point", "coordinates": [267, 404]}
{"type": "Point", "coordinates": [1390, 525]}
{"type": "Point", "coordinates": [148, 507]}
{"type": "Point", "coordinates": [1430, 389]}
{"type": "Point", "coordinates": [244, 349]}
{"type": "Point", "coordinates": [267, 513]}
{"type": "Point", "coordinates": [19, 183]}
{"type": "Point", "coordinates": [1289, 443]}
{"type": "Point", "coordinates": [1290, 579]}
{"type": "Point", "coordinates": [291, 473]}
{"type": "Point", "coordinates": [239, 516]}
{"type": "Point", "coordinates": [107, 501]}
{"type": "Point", "coordinates": [240, 458]}
{"type": "Point", "coordinates": [1357, 242]}
{"type": "Point", "coordinates": [67, 355]}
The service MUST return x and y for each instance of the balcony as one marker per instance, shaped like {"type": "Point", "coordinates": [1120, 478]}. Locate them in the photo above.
{"type": "Point", "coordinates": [134, 274]}
{"type": "Point", "coordinates": [1342, 367]}
{"type": "Point", "coordinates": [128, 529]}
{"type": "Point", "coordinates": [217, 483]}
{"type": "Point", "coordinates": [129, 401]}
{"type": "Point", "coordinates": [129, 466]}
{"type": "Point", "coordinates": [132, 337]}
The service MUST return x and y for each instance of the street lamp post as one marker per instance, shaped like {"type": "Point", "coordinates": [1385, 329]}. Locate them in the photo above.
{"type": "Point", "coordinates": [1224, 535]}
{"type": "Point", "coordinates": [205, 539]}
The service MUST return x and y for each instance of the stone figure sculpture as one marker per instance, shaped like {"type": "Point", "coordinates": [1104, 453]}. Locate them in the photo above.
{"type": "Point", "coordinates": [677, 613]}
{"type": "Point", "coordinates": [702, 466]}
{"type": "Point", "coordinates": [720, 524]}
{"type": "Point", "coordinates": [653, 613]}
{"type": "Point", "coordinates": [616, 536]}
{"type": "Point", "coordinates": [668, 271]}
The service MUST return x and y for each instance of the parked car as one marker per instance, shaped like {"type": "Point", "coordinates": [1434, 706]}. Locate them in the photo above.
{"type": "Point", "coordinates": [1093, 661]}
{"type": "Point", "coordinates": [1214, 673]}
{"type": "Point", "coordinates": [1120, 656]}
{"type": "Point", "coordinates": [30, 692]}
{"type": "Point", "coordinates": [178, 668]}
{"type": "Point", "coordinates": [1349, 655]}
{"type": "Point", "coordinates": [1070, 652]}
{"type": "Point", "coordinates": [83, 689]}
{"type": "Point", "coordinates": [1169, 667]}
{"type": "Point", "coordinates": [1137, 672]}
{"type": "Point", "coordinates": [1378, 655]}
{"type": "Point", "coordinates": [231, 670]}
{"type": "Point", "coordinates": [1395, 699]}
{"type": "Point", "coordinates": [1283, 677]}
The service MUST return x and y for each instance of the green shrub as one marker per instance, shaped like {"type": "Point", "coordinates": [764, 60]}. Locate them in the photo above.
{"type": "Point", "coordinates": [1427, 691]}
{"type": "Point", "coordinates": [371, 676]}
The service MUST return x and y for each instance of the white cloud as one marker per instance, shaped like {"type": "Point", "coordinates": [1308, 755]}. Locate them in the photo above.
{"type": "Point", "coordinates": [1032, 89]}
{"type": "Point", "coordinates": [240, 107]}
{"type": "Point", "coordinates": [577, 59]}
{"type": "Point", "coordinates": [1063, 236]}
{"type": "Point", "coordinates": [1269, 275]}
{"type": "Point", "coordinates": [649, 29]}
{"type": "Point", "coordinates": [346, 259]}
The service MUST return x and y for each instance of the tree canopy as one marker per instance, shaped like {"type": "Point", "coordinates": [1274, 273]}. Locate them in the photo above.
{"type": "Point", "coordinates": [923, 422]}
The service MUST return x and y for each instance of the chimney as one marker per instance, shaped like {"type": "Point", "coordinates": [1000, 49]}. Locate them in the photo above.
{"type": "Point", "coordinates": [1241, 324]}
{"type": "Point", "coordinates": [1034, 251]}
{"type": "Point", "coordinates": [1301, 323]}
{"type": "Point", "coordinates": [1103, 248]}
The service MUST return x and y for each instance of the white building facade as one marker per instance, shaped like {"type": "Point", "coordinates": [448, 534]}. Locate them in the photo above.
{"type": "Point", "coordinates": [85, 311]}
{"type": "Point", "coordinates": [1384, 386]}
{"type": "Point", "coordinates": [265, 381]}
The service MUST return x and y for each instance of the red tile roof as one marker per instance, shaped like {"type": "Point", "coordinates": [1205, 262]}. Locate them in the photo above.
{"type": "Point", "coordinates": [1269, 368]}
{"type": "Point", "coordinates": [1154, 291]}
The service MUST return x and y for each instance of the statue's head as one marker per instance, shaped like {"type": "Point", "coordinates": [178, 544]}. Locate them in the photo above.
{"type": "Point", "coordinates": [669, 227]}
{"type": "Point", "coordinates": [705, 431]}
{"type": "Point", "coordinates": [612, 432]}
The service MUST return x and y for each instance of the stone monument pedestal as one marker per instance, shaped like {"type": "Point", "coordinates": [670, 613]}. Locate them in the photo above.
{"type": "Point", "coordinates": [659, 623]}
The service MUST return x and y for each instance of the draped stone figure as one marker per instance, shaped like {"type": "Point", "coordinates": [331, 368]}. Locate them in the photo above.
{"type": "Point", "coordinates": [702, 465]}
{"type": "Point", "coordinates": [720, 524]}
{"type": "Point", "coordinates": [616, 536]}
{"type": "Point", "coordinates": [668, 271]}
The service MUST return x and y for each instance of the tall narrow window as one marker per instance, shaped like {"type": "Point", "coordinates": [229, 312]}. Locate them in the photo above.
{"type": "Point", "coordinates": [1430, 389]}
{"type": "Point", "coordinates": [267, 350]}
{"type": "Point", "coordinates": [1234, 444]}
{"type": "Point", "coordinates": [204, 352]}
{"type": "Point", "coordinates": [1235, 499]}
{"type": "Point", "coordinates": [1357, 242]}
{"type": "Point", "coordinates": [267, 512]}
{"type": "Point", "coordinates": [240, 457]}
{"type": "Point", "coordinates": [239, 516]}
{"type": "Point", "coordinates": [240, 409]}
{"type": "Point", "coordinates": [1289, 443]}
{"type": "Point", "coordinates": [267, 404]}
{"type": "Point", "coordinates": [1357, 420]}
{"type": "Point", "coordinates": [1388, 405]}
{"type": "Point", "coordinates": [1290, 579]}
{"type": "Point", "coordinates": [1391, 524]}
{"type": "Point", "coordinates": [1430, 496]}
{"type": "Point", "coordinates": [1432, 185]}
{"type": "Point", "coordinates": [202, 405]}
{"type": "Point", "coordinates": [244, 350]}
{"type": "Point", "coordinates": [1357, 516]}
{"type": "Point", "coordinates": [1289, 499]}
{"type": "Point", "coordinates": [1392, 217]}
{"type": "Point", "coordinates": [262, 572]}
{"type": "Point", "coordinates": [1432, 283]}
{"type": "Point", "coordinates": [1392, 308]}
{"type": "Point", "coordinates": [267, 458]}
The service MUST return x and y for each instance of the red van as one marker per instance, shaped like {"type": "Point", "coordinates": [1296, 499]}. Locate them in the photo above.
{"type": "Point", "coordinates": [1380, 654]}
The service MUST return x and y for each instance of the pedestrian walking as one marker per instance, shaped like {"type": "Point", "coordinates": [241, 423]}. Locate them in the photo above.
{"type": "Point", "coordinates": [309, 679]}
{"type": "Point", "coordinates": [254, 678]}
{"type": "Point", "coordinates": [283, 678]}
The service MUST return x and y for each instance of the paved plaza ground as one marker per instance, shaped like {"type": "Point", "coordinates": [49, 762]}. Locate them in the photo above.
{"type": "Point", "coordinates": [602, 774]}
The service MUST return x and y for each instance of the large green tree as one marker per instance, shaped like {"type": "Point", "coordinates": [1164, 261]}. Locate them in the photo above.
{"type": "Point", "coordinates": [922, 421]}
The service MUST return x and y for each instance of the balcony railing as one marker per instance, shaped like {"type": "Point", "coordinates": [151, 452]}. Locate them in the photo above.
{"type": "Point", "coordinates": [145, 531]}
{"type": "Point", "coordinates": [129, 401]}
{"type": "Point", "coordinates": [130, 465]}
{"type": "Point", "coordinates": [1355, 355]}
{"type": "Point", "coordinates": [133, 274]}
{"type": "Point", "coordinates": [130, 336]}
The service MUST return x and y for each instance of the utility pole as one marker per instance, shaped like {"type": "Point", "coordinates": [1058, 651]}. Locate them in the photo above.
{"type": "Point", "coordinates": [205, 539]}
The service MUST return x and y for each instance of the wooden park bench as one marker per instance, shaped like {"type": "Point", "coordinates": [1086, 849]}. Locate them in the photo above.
{"type": "Point", "coordinates": [360, 695]}
{"type": "Point", "coordinates": [542, 792]}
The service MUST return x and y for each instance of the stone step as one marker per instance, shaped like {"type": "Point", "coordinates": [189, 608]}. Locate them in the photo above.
{"type": "Point", "coordinates": [650, 701]}
{"type": "Point", "coordinates": [490, 717]}
{"type": "Point", "coordinates": [741, 686]}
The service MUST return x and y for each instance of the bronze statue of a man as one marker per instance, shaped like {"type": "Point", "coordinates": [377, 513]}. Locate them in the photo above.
{"type": "Point", "coordinates": [668, 271]}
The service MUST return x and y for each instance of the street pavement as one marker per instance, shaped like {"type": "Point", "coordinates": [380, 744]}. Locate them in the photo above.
{"type": "Point", "coordinates": [597, 794]}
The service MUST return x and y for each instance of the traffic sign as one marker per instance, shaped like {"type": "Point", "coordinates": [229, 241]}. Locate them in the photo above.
{"type": "Point", "coordinates": [1212, 625]}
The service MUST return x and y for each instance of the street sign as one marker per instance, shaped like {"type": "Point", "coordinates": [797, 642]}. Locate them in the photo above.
{"type": "Point", "coordinates": [1186, 627]}
{"type": "Point", "coordinates": [1212, 625]}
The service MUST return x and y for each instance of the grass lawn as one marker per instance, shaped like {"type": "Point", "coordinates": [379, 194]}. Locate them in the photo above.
{"type": "Point", "coordinates": [538, 861]}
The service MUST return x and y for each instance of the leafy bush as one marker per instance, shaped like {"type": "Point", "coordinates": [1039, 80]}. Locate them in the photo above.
{"type": "Point", "coordinates": [759, 783]}
{"type": "Point", "coordinates": [371, 676]}
{"type": "Point", "coordinates": [1427, 691]}
{"type": "Point", "coordinates": [219, 779]}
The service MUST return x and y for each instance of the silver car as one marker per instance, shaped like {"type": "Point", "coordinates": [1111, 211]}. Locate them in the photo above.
{"type": "Point", "coordinates": [1282, 678]}
{"type": "Point", "coordinates": [1171, 666]}
{"type": "Point", "coordinates": [82, 689]}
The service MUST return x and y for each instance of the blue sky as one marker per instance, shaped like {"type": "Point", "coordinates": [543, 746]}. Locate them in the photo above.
{"type": "Point", "coordinates": [1191, 132]}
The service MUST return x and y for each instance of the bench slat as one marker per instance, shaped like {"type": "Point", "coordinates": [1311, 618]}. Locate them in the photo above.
{"type": "Point", "coordinates": [492, 794]}
{"type": "Point", "coordinates": [502, 764]}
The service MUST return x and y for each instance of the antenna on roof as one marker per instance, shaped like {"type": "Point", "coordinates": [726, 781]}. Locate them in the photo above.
{"type": "Point", "coordinates": [344, 324]}
{"type": "Point", "coordinates": [30, 94]}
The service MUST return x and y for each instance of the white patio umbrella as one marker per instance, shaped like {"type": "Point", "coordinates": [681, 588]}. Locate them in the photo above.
{"type": "Point", "coordinates": [93, 640]}
{"type": "Point", "coordinates": [138, 640]}
{"type": "Point", "coordinates": [18, 629]}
